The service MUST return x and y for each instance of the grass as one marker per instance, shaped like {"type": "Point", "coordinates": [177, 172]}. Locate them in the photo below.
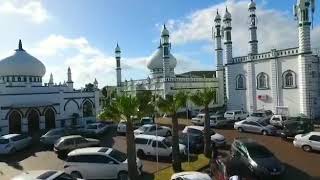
{"type": "Point", "coordinates": [197, 163]}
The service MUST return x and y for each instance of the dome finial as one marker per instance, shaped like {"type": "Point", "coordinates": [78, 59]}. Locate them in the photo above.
{"type": "Point", "coordinates": [20, 46]}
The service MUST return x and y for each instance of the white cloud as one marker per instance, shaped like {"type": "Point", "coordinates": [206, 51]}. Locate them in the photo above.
{"type": "Point", "coordinates": [86, 61]}
{"type": "Point", "coordinates": [276, 29]}
{"type": "Point", "coordinates": [32, 10]}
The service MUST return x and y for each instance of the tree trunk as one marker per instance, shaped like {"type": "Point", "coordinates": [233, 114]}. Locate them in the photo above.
{"type": "Point", "coordinates": [131, 152]}
{"type": "Point", "coordinates": [207, 138]}
{"type": "Point", "coordinates": [176, 162]}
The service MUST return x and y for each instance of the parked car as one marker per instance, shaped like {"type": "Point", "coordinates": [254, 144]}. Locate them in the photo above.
{"type": "Point", "coordinates": [98, 163]}
{"type": "Point", "coordinates": [255, 126]}
{"type": "Point", "coordinates": [293, 127]}
{"type": "Point", "coordinates": [95, 129]}
{"type": "Point", "coordinates": [11, 143]}
{"type": "Point", "coordinates": [218, 139]}
{"type": "Point", "coordinates": [190, 175]}
{"type": "Point", "coordinates": [122, 127]}
{"type": "Point", "coordinates": [146, 120]}
{"type": "Point", "coordinates": [199, 119]}
{"type": "Point", "coordinates": [257, 158]}
{"type": "Point", "coordinates": [195, 142]}
{"type": "Point", "coordinates": [278, 120]}
{"type": "Point", "coordinates": [235, 115]}
{"type": "Point", "coordinates": [153, 129]}
{"type": "Point", "coordinates": [260, 115]}
{"type": "Point", "coordinates": [68, 143]}
{"type": "Point", "coordinates": [53, 135]}
{"type": "Point", "coordinates": [147, 145]}
{"type": "Point", "coordinates": [308, 142]}
{"type": "Point", "coordinates": [219, 121]}
{"type": "Point", "coordinates": [44, 175]}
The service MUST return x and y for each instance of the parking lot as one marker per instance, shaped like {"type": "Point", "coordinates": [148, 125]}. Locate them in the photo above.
{"type": "Point", "coordinates": [300, 165]}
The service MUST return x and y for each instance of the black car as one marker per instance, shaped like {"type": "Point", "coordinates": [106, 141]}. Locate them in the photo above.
{"type": "Point", "coordinates": [293, 127]}
{"type": "Point", "coordinates": [195, 142]}
{"type": "Point", "coordinates": [260, 161]}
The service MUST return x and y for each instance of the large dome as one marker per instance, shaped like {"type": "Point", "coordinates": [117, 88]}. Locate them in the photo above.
{"type": "Point", "coordinates": [156, 60]}
{"type": "Point", "coordinates": [21, 63]}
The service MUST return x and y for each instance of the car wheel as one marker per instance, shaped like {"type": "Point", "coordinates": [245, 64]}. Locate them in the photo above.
{"type": "Point", "coordinates": [123, 175]}
{"type": "Point", "coordinates": [264, 132]}
{"type": "Point", "coordinates": [140, 153]}
{"type": "Point", "coordinates": [240, 129]}
{"type": "Point", "coordinates": [76, 174]}
{"type": "Point", "coordinates": [307, 148]}
{"type": "Point", "coordinates": [168, 133]}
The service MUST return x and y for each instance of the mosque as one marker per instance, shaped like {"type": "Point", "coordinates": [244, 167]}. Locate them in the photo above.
{"type": "Point", "coordinates": [286, 81]}
{"type": "Point", "coordinates": [28, 105]}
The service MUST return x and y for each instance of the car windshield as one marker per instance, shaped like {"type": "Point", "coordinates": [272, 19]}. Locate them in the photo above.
{"type": "Point", "coordinates": [256, 115]}
{"type": "Point", "coordinates": [194, 131]}
{"type": "Point", "coordinates": [4, 141]}
{"type": "Point", "coordinates": [257, 151]}
{"type": "Point", "coordinates": [55, 132]}
{"type": "Point", "coordinates": [119, 156]}
{"type": "Point", "coordinates": [144, 128]}
{"type": "Point", "coordinates": [304, 134]}
{"type": "Point", "coordinates": [167, 142]}
{"type": "Point", "coordinates": [92, 126]}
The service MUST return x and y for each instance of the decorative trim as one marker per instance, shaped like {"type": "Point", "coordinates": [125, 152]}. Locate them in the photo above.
{"type": "Point", "coordinates": [64, 107]}
{"type": "Point", "coordinates": [30, 109]}
{"type": "Point", "coordinates": [12, 110]}
{"type": "Point", "coordinates": [49, 107]}
{"type": "Point", "coordinates": [28, 94]}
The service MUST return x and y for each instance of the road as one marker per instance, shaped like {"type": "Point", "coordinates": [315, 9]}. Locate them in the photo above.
{"type": "Point", "coordinates": [300, 165]}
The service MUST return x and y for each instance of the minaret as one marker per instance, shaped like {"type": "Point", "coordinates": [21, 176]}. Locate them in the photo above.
{"type": "Point", "coordinates": [303, 12]}
{"type": "Point", "coordinates": [219, 58]}
{"type": "Point", "coordinates": [227, 36]}
{"type": "Point", "coordinates": [253, 43]}
{"type": "Point", "coordinates": [95, 83]}
{"type": "Point", "coordinates": [166, 51]}
{"type": "Point", "coordinates": [118, 67]}
{"type": "Point", "coordinates": [70, 82]}
{"type": "Point", "coordinates": [50, 83]}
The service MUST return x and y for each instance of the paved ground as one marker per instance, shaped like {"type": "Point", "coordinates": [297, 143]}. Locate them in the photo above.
{"type": "Point", "coordinates": [300, 165]}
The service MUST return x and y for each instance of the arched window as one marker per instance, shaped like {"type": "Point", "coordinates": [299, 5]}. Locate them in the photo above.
{"type": "Point", "coordinates": [262, 81]}
{"type": "Point", "coordinates": [289, 79]}
{"type": "Point", "coordinates": [240, 82]}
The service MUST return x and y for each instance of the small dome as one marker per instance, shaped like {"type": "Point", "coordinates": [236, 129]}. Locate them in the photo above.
{"type": "Point", "coordinates": [21, 63]}
{"type": "Point", "coordinates": [164, 31]}
{"type": "Point", "coordinates": [117, 49]}
{"type": "Point", "coordinates": [218, 17]}
{"type": "Point", "coordinates": [252, 5]}
{"type": "Point", "coordinates": [156, 60]}
{"type": "Point", "coordinates": [227, 15]}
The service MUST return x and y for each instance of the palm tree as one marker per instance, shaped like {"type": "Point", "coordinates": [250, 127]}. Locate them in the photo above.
{"type": "Point", "coordinates": [170, 105]}
{"type": "Point", "coordinates": [204, 98]}
{"type": "Point", "coordinates": [125, 107]}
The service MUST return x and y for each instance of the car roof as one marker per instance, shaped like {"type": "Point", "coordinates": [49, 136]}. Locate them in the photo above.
{"type": "Point", "coordinates": [315, 133]}
{"type": "Point", "coordinates": [247, 141]}
{"type": "Point", "coordinates": [233, 110]}
{"type": "Point", "coordinates": [38, 174]}
{"type": "Point", "coordinates": [191, 175]}
{"type": "Point", "coordinates": [90, 150]}
{"type": "Point", "coordinates": [9, 136]}
{"type": "Point", "coordinates": [149, 125]}
{"type": "Point", "coordinates": [200, 128]}
{"type": "Point", "coordinates": [152, 137]}
{"type": "Point", "coordinates": [70, 137]}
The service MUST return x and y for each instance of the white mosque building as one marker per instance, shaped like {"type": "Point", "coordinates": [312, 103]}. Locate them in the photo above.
{"type": "Point", "coordinates": [29, 105]}
{"type": "Point", "coordinates": [282, 80]}
{"type": "Point", "coordinates": [163, 80]}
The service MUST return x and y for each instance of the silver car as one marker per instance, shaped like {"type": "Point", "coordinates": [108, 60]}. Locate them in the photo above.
{"type": "Point", "coordinates": [255, 126]}
{"type": "Point", "coordinates": [68, 143]}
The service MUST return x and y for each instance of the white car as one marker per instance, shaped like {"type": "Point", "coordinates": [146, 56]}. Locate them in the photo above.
{"type": "Point", "coordinates": [218, 121]}
{"type": "Point", "coordinates": [11, 143]}
{"type": "Point", "coordinates": [190, 175]}
{"type": "Point", "coordinates": [235, 115]}
{"type": "Point", "coordinates": [95, 128]}
{"type": "Point", "coordinates": [199, 119]}
{"type": "Point", "coordinates": [147, 145]}
{"type": "Point", "coordinates": [122, 127]}
{"type": "Point", "coordinates": [153, 129]}
{"type": "Point", "coordinates": [98, 163]}
{"type": "Point", "coordinates": [44, 175]}
{"type": "Point", "coordinates": [218, 139]}
{"type": "Point", "coordinates": [308, 142]}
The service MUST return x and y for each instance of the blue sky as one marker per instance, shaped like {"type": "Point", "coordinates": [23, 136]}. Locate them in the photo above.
{"type": "Point", "coordinates": [82, 33]}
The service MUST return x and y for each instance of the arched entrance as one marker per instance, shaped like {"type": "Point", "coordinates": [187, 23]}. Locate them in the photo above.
{"type": "Point", "coordinates": [15, 122]}
{"type": "Point", "coordinates": [87, 109]}
{"type": "Point", "coordinates": [33, 121]}
{"type": "Point", "coordinates": [50, 120]}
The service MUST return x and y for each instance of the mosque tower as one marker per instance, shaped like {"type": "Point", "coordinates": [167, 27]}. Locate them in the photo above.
{"type": "Point", "coordinates": [227, 36]}
{"type": "Point", "coordinates": [253, 43]}
{"type": "Point", "coordinates": [70, 82]}
{"type": "Point", "coordinates": [118, 66]}
{"type": "Point", "coordinates": [303, 12]}
{"type": "Point", "coordinates": [219, 57]}
{"type": "Point", "coordinates": [165, 57]}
